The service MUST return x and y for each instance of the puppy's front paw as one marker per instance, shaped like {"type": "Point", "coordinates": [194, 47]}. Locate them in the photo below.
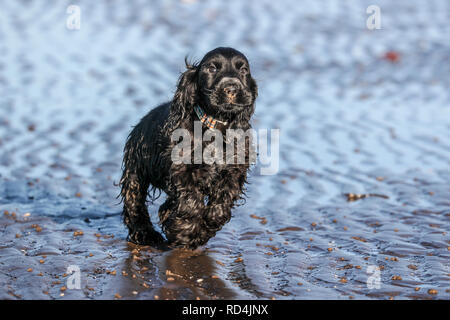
{"type": "Point", "coordinates": [145, 236]}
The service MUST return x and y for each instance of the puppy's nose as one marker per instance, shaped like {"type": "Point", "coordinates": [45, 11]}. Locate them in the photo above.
{"type": "Point", "coordinates": [230, 90]}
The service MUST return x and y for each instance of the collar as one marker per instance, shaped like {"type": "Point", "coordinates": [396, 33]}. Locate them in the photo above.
{"type": "Point", "coordinates": [208, 121]}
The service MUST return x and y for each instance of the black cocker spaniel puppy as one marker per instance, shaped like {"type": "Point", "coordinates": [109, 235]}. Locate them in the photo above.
{"type": "Point", "coordinates": [218, 93]}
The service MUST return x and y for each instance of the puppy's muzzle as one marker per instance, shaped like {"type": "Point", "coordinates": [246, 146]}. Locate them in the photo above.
{"type": "Point", "coordinates": [231, 92]}
{"type": "Point", "coordinates": [231, 88]}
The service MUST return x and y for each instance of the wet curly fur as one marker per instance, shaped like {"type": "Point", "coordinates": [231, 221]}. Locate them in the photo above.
{"type": "Point", "coordinates": [199, 196]}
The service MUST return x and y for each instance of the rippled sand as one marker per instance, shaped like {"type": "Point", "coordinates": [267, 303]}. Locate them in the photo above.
{"type": "Point", "coordinates": [360, 112]}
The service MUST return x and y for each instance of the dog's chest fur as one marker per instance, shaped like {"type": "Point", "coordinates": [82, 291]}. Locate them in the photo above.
{"type": "Point", "coordinates": [208, 176]}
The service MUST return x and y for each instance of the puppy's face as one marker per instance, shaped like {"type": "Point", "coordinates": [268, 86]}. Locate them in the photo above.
{"type": "Point", "coordinates": [225, 82]}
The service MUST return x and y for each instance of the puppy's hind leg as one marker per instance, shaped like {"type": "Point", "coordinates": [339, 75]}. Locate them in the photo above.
{"type": "Point", "coordinates": [165, 210]}
{"type": "Point", "coordinates": [135, 214]}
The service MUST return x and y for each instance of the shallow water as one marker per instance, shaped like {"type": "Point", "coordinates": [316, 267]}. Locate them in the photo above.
{"type": "Point", "coordinates": [352, 121]}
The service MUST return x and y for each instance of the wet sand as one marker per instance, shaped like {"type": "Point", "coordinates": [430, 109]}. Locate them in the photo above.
{"type": "Point", "coordinates": [360, 113]}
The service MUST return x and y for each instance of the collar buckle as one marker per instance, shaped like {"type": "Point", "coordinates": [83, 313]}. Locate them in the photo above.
{"type": "Point", "coordinates": [208, 121]}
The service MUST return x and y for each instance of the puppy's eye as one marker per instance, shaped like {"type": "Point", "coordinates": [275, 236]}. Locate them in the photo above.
{"type": "Point", "coordinates": [244, 70]}
{"type": "Point", "coordinates": [212, 69]}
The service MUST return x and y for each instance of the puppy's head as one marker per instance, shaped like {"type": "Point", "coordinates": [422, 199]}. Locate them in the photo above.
{"type": "Point", "coordinates": [221, 83]}
{"type": "Point", "coordinates": [225, 82]}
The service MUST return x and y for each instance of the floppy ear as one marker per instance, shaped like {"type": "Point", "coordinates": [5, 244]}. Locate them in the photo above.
{"type": "Point", "coordinates": [248, 112]}
{"type": "Point", "coordinates": [186, 94]}
{"type": "Point", "coordinates": [254, 87]}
